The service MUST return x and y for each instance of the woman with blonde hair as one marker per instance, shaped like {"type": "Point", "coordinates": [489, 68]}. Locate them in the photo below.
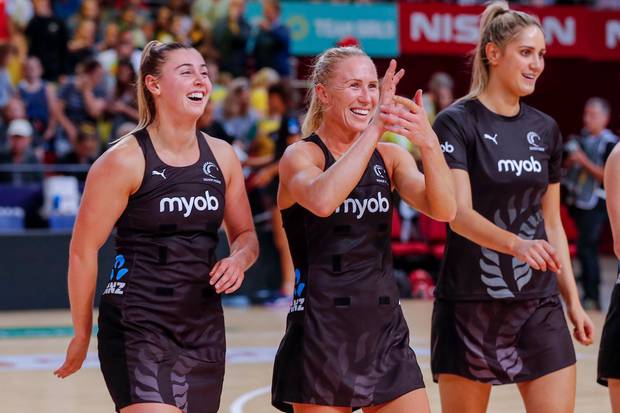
{"type": "Point", "coordinates": [166, 188]}
{"type": "Point", "coordinates": [346, 344]}
{"type": "Point", "coordinates": [498, 318]}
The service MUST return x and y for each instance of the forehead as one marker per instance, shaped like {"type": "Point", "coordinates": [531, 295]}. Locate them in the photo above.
{"type": "Point", "coordinates": [355, 67]}
{"type": "Point", "coordinates": [530, 36]}
{"type": "Point", "coordinates": [175, 58]}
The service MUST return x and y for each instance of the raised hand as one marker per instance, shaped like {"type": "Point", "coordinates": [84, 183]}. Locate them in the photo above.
{"type": "Point", "coordinates": [408, 118]}
{"type": "Point", "coordinates": [389, 82]}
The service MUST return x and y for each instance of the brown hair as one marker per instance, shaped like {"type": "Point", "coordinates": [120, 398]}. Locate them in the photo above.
{"type": "Point", "coordinates": [322, 70]}
{"type": "Point", "coordinates": [498, 25]}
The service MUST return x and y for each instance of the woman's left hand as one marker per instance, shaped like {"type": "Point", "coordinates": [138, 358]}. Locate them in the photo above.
{"type": "Point", "coordinates": [583, 328]}
{"type": "Point", "coordinates": [226, 275]}
{"type": "Point", "coordinates": [408, 118]}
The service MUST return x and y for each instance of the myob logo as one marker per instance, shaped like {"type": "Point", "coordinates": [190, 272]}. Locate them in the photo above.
{"type": "Point", "coordinates": [520, 166]}
{"type": "Point", "coordinates": [446, 147]}
{"type": "Point", "coordinates": [182, 204]}
{"type": "Point", "coordinates": [359, 207]}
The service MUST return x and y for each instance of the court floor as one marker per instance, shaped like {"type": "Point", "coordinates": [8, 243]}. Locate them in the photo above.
{"type": "Point", "coordinates": [32, 345]}
{"type": "Point", "coordinates": [28, 357]}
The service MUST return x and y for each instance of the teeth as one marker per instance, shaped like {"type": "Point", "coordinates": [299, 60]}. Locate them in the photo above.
{"type": "Point", "coordinates": [361, 112]}
{"type": "Point", "coordinates": [196, 95]}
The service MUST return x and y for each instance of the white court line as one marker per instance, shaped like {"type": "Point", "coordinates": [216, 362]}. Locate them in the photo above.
{"type": "Point", "coordinates": [237, 405]}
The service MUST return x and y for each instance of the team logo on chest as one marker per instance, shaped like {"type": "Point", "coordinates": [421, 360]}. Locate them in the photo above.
{"type": "Point", "coordinates": [208, 168]}
{"type": "Point", "coordinates": [534, 140]}
{"type": "Point", "coordinates": [380, 174]}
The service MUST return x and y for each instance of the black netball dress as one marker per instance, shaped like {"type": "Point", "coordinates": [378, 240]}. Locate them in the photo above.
{"type": "Point", "coordinates": [609, 356]}
{"type": "Point", "coordinates": [346, 341]}
{"type": "Point", "coordinates": [496, 319]}
{"type": "Point", "coordinates": [161, 327]}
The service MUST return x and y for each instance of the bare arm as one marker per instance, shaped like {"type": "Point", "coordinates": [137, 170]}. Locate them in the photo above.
{"type": "Point", "coordinates": [111, 180]}
{"type": "Point", "coordinates": [612, 189]}
{"type": "Point", "coordinates": [584, 329]}
{"type": "Point", "coordinates": [228, 273]}
{"type": "Point", "coordinates": [539, 254]}
{"type": "Point", "coordinates": [431, 192]}
{"type": "Point", "coordinates": [94, 106]}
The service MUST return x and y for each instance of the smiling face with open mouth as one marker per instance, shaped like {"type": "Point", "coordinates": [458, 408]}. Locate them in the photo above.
{"type": "Point", "coordinates": [351, 94]}
{"type": "Point", "coordinates": [522, 61]}
{"type": "Point", "coordinates": [185, 82]}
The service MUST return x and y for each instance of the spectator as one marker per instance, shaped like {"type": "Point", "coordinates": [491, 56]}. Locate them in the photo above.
{"type": "Point", "coordinates": [86, 150]}
{"type": "Point", "coordinates": [236, 115]}
{"type": "Point", "coordinates": [163, 22]}
{"type": "Point", "coordinates": [230, 36]}
{"type": "Point", "coordinates": [89, 10]}
{"type": "Point", "coordinates": [124, 49]}
{"type": "Point", "coordinates": [40, 101]}
{"type": "Point", "coordinates": [123, 107]}
{"type": "Point", "coordinates": [20, 152]}
{"type": "Point", "coordinates": [266, 178]}
{"type": "Point", "coordinates": [48, 37]}
{"type": "Point", "coordinates": [208, 12]}
{"type": "Point", "coordinates": [83, 98]}
{"type": "Point", "coordinates": [271, 44]}
{"type": "Point", "coordinates": [440, 94]}
{"type": "Point", "coordinates": [82, 45]}
{"type": "Point", "coordinates": [587, 154]}
{"type": "Point", "coordinates": [210, 126]}
{"type": "Point", "coordinates": [14, 109]}
{"type": "Point", "coordinates": [6, 87]}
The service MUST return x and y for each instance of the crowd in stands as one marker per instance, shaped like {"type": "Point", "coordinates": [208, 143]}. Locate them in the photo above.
{"type": "Point", "coordinates": [67, 78]}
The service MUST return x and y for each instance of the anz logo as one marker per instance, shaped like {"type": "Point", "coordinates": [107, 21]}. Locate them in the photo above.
{"type": "Point", "coordinates": [115, 286]}
{"type": "Point", "coordinates": [298, 300]}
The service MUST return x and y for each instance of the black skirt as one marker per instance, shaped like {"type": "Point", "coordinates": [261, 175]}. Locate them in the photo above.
{"type": "Point", "coordinates": [500, 342]}
{"type": "Point", "coordinates": [609, 356]}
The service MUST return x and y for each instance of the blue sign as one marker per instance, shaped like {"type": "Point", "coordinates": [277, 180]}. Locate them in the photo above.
{"type": "Point", "coordinates": [319, 26]}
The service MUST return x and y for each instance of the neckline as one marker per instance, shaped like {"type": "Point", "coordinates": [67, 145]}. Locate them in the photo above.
{"type": "Point", "coordinates": [200, 151]}
{"type": "Point", "coordinates": [503, 117]}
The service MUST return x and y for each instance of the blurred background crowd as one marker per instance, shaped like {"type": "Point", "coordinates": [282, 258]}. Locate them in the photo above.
{"type": "Point", "coordinates": [67, 75]}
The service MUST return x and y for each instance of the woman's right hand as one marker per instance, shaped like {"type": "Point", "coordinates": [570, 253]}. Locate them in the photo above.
{"type": "Point", "coordinates": [388, 90]}
{"type": "Point", "coordinates": [76, 354]}
{"type": "Point", "coordinates": [538, 254]}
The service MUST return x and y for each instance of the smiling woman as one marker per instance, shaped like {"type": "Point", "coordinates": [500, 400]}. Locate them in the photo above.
{"type": "Point", "coordinates": [498, 318]}
{"type": "Point", "coordinates": [167, 188]}
{"type": "Point", "coordinates": [346, 343]}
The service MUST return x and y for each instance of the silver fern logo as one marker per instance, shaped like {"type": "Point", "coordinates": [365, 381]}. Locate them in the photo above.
{"type": "Point", "coordinates": [492, 275]}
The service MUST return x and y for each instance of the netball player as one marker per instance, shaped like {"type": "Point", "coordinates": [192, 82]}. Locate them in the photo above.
{"type": "Point", "coordinates": [346, 343]}
{"type": "Point", "coordinates": [498, 318]}
{"type": "Point", "coordinates": [609, 359]}
{"type": "Point", "coordinates": [167, 188]}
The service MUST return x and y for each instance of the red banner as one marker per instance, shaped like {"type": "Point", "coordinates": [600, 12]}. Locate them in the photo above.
{"type": "Point", "coordinates": [570, 31]}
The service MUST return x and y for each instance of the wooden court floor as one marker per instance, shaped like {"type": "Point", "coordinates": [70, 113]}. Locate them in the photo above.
{"type": "Point", "coordinates": [27, 383]}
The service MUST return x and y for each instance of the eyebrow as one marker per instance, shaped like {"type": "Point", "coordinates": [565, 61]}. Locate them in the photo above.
{"type": "Point", "coordinates": [531, 48]}
{"type": "Point", "coordinates": [360, 80]}
{"type": "Point", "coordinates": [190, 65]}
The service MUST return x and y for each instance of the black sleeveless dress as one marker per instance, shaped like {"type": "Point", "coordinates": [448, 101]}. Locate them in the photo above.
{"type": "Point", "coordinates": [161, 326]}
{"type": "Point", "coordinates": [608, 357]}
{"type": "Point", "coordinates": [346, 341]}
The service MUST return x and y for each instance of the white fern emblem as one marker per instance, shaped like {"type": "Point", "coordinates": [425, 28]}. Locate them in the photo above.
{"type": "Point", "coordinates": [491, 272]}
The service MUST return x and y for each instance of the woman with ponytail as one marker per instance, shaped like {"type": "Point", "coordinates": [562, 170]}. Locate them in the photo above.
{"type": "Point", "coordinates": [498, 318]}
{"type": "Point", "coordinates": [167, 188]}
{"type": "Point", "coordinates": [347, 344]}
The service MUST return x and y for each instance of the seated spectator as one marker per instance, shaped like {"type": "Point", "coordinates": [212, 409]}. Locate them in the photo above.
{"type": "Point", "coordinates": [210, 126]}
{"type": "Point", "coordinates": [14, 109]}
{"type": "Point", "coordinates": [6, 87]}
{"type": "Point", "coordinates": [236, 115]}
{"type": "Point", "coordinates": [272, 42]}
{"type": "Point", "coordinates": [20, 152]}
{"type": "Point", "coordinates": [587, 154]}
{"type": "Point", "coordinates": [122, 107]}
{"type": "Point", "coordinates": [124, 49]}
{"type": "Point", "coordinates": [86, 150]}
{"type": "Point", "coordinates": [261, 81]}
{"type": "Point", "coordinates": [82, 45]}
{"type": "Point", "coordinates": [41, 102]}
{"type": "Point", "coordinates": [84, 96]}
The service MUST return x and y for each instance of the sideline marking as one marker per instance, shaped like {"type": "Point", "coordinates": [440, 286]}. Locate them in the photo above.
{"type": "Point", "coordinates": [239, 402]}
